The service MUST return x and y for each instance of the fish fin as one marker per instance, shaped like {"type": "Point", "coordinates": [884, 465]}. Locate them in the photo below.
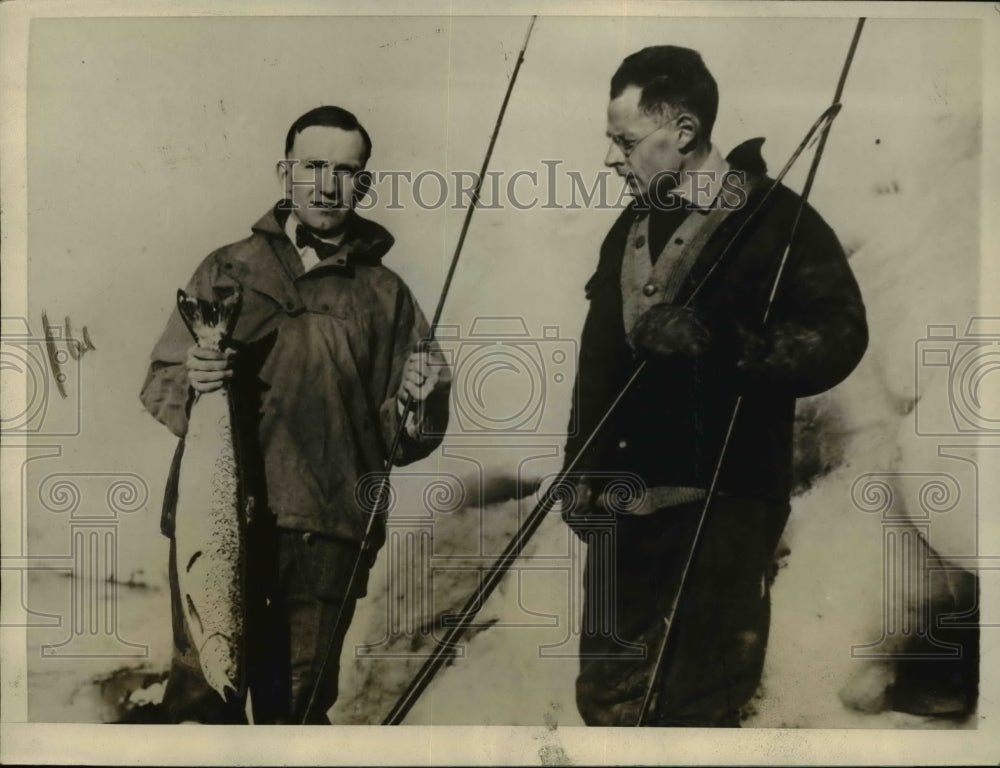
{"type": "Point", "coordinates": [193, 560]}
{"type": "Point", "coordinates": [194, 614]}
{"type": "Point", "coordinates": [219, 665]}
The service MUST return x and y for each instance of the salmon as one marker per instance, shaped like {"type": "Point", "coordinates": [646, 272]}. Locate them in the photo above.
{"type": "Point", "coordinates": [209, 532]}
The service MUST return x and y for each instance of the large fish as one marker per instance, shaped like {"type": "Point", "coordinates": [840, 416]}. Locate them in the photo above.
{"type": "Point", "coordinates": [209, 532]}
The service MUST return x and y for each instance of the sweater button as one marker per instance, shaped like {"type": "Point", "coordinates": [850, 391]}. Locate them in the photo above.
{"type": "Point", "coordinates": [679, 241]}
{"type": "Point", "coordinates": [649, 289]}
{"type": "Point", "coordinates": [622, 444]}
{"type": "Point", "coordinates": [640, 241]}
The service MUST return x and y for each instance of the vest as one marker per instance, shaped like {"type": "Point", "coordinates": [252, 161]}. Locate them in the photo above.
{"type": "Point", "coordinates": [644, 284]}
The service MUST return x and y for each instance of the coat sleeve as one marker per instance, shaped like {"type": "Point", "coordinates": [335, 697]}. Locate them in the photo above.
{"type": "Point", "coordinates": [817, 331]}
{"type": "Point", "coordinates": [431, 418]}
{"type": "Point", "coordinates": [603, 360]}
{"type": "Point", "coordinates": [166, 393]}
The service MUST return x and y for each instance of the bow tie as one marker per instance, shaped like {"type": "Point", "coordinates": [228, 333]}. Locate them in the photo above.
{"type": "Point", "coordinates": [303, 238]}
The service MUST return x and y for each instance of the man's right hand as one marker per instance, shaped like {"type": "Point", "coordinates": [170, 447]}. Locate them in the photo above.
{"type": "Point", "coordinates": [207, 369]}
{"type": "Point", "coordinates": [577, 509]}
{"type": "Point", "coordinates": [665, 330]}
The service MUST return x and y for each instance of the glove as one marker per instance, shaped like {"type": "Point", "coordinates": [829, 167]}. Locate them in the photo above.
{"type": "Point", "coordinates": [666, 330]}
{"type": "Point", "coordinates": [577, 508]}
{"type": "Point", "coordinates": [778, 354]}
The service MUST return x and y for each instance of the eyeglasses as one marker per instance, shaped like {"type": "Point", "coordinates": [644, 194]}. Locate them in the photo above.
{"type": "Point", "coordinates": [628, 146]}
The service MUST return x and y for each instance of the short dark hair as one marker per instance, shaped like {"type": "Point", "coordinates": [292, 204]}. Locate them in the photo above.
{"type": "Point", "coordinates": [670, 77]}
{"type": "Point", "coordinates": [330, 117]}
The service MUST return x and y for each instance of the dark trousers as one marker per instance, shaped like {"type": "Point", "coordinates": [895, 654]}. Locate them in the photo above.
{"type": "Point", "coordinates": [296, 587]}
{"type": "Point", "coordinates": [715, 654]}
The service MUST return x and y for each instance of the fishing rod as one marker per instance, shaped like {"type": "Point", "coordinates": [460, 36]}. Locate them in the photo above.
{"type": "Point", "coordinates": [380, 494]}
{"type": "Point", "coordinates": [444, 647]}
{"type": "Point", "coordinates": [492, 578]}
{"type": "Point", "coordinates": [668, 618]}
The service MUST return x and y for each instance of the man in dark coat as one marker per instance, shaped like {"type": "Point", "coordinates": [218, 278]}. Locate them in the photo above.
{"type": "Point", "coordinates": [661, 295]}
{"type": "Point", "coordinates": [323, 354]}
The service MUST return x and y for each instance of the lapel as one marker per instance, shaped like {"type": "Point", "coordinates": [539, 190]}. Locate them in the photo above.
{"type": "Point", "coordinates": [715, 248]}
{"type": "Point", "coordinates": [745, 157]}
{"type": "Point", "coordinates": [278, 266]}
{"type": "Point", "coordinates": [681, 250]}
{"type": "Point", "coordinates": [275, 273]}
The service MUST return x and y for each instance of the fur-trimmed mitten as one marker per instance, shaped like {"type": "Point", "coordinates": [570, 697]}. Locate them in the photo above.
{"type": "Point", "coordinates": [666, 330]}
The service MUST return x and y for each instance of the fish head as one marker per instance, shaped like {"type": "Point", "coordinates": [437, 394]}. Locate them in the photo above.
{"type": "Point", "coordinates": [210, 322]}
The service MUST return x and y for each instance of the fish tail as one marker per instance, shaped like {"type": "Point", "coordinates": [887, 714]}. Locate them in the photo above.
{"type": "Point", "coordinates": [220, 665]}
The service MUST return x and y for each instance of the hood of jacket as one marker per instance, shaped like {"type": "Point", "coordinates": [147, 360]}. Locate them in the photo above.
{"type": "Point", "coordinates": [365, 241]}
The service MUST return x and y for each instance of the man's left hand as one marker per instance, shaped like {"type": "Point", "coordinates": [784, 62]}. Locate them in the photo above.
{"type": "Point", "coordinates": [778, 353]}
{"type": "Point", "coordinates": [666, 330]}
{"type": "Point", "coordinates": [426, 373]}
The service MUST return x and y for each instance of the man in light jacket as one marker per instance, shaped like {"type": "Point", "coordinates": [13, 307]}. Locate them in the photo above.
{"type": "Point", "coordinates": [326, 350]}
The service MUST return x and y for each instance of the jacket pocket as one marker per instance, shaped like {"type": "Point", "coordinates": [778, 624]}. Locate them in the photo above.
{"type": "Point", "coordinates": [318, 567]}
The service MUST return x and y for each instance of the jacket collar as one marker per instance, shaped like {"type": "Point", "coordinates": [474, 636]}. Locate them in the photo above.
{"type": "Point", "coordinates": [365, 242]}
{"type": "Point", "coordinates": [745, 157]}
{"type": "Point", "coordinates": [700, 186]}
